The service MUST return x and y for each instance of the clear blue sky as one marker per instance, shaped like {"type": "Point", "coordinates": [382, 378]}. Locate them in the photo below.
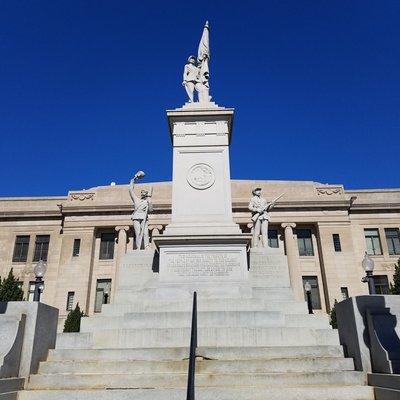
{"type": "Point", "coordinates": [84, 86]}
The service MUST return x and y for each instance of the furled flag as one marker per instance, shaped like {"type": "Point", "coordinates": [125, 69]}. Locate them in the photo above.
{"type": "Point", "coordinates": [203, 55]}
{"type": "Point", "coordinates": [204, 45]}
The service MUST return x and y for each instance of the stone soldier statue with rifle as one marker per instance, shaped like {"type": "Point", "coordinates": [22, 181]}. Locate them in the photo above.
{"type": "Point", "coordinates": [260, 217]}
{"type": "Point", "coordinates": [140, 215]}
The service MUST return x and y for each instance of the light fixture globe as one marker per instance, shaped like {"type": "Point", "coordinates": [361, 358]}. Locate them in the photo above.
{"type": "Point", "coordinates": [368, 263]}
{"type": "Point", "coordinates": [40, 269]}
{"type": "Point", "coordinates": [307, 286]}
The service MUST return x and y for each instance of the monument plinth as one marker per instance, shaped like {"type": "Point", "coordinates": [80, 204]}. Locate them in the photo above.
{"type": "Point", "coordinates": [202, 243]}
{"type": "Point", "coordinates": [201, 190]}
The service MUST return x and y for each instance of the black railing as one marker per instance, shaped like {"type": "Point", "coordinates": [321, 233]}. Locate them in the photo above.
{"type": "Point", "coordinates": [192, 354]}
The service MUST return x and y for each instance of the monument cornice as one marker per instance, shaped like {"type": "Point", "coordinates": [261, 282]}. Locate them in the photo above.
{"type": "Point", "coordinates": [198, 113]}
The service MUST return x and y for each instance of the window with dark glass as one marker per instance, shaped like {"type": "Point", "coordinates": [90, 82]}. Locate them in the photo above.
{"type": "Point", "coordinates": [381, 283]}
{"type": "Point", "coordinates": [315, 298]}
{"type": "Point", "coordinates": [273, 238]}
{"type": "Point", "coordinates": [76, 248]}
{"type": "Point", "coordinates": [41, 247]}
{"type": "Point", "coordinates": [21, 248]}
{"type": "Point", "coordinates": [107, 246]}
{"type": "Point", "coordinates": [393, 240]}
{"type": "Point", "coordinates": [103, 291]}
{"type": "Point", "coordinates": [336, 242]}
{"type": "Point", "coordinates": [304, 242]}
{"type": "Point", "coordinates": [70, 301]}
{"type": "Point", "coordinates": [373, 241]}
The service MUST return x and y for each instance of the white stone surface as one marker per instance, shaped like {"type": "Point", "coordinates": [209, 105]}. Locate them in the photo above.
{"type": "Point", "coordinates": [222, 264]}
{"type": "Point", "coordinates": [201, 192]}
{"type": "Point", "coordinates": [260, 339]}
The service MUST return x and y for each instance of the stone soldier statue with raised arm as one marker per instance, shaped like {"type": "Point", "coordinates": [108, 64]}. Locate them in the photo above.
{"type": "Point", "coordinates": [260, 208]}
{"type": "Point", "coordinates": [140, 215]}
{"type": "Point", "coordinates": [196, 73]}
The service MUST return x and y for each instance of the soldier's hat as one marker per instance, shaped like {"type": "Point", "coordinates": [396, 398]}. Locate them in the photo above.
{"type": "Point", "coordinates": [191, 58]}
{"type": "Point", "coordinates": [255, 189]}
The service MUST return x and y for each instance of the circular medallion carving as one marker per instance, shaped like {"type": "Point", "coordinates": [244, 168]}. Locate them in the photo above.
{"type": "Point", "coordinates": [201, 176]}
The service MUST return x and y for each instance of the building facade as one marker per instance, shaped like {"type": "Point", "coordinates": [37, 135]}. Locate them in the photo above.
{"type": "Point", "coordinates": [323, 229]}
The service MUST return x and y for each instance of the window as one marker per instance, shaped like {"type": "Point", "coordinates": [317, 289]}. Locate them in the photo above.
{"type": "Point", "coordinates": [41, 247]}
{"type": "Point", "coordinates": [31, 291]}
{"type": "Point", "coordinates": [304, 242]}
{"type": "Point", "coordinates": [70, 301]}
{"type": "Point", "coordinates": [393, 240]}
{"type": "Point", "coordinates": [372, 241]}
{"type": "Point", "coordinates": [21, 249]}
{"type": "Point", "coordinates": [107, 246]}
{"type": "Point", "coordinates": [273, 238]}
{"type": "Point", "coordinates": [345, 293]}
{"type": "Point", "coordinates": [381, 284]}
{"type": "Point", "coordinates": [103, 291]}
{"type": "Point", "coordinates": [336, 242]}
{"type": "Point", "coordinates": [76, 248]}
{"type": "Point", "coordinates": [315, 299]}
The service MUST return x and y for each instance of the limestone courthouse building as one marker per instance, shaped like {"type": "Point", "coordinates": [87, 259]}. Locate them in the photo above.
{"type": "Point", "coordinates": [323, 229]}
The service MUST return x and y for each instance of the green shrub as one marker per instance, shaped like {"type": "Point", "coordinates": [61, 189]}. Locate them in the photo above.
{"type": "Point", "coordinates": [73, 321]}
{"type": "Point", "coordinates": [333, 320]}
{"type": "Point", "coordinates": [395, 286]}
{"type": "Point", "coordinates": [10, 288]}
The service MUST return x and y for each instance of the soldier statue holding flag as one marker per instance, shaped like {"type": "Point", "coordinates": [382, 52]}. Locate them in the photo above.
{"type": "Point", "coordinates": [196, 73]}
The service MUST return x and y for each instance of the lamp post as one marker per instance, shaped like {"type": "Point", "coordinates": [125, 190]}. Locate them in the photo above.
{"type": "Point", "coordinates": [307, 288]}
{"type": "Point", "coordinates": [106, 293]}
{"type": "Point", "coordinates": [39, 271]}
{"type": "Point", "coordinates": [368, 265]}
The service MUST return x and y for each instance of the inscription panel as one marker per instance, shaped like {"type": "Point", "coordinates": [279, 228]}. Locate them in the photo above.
{"type": "Point", "coordinates": [202, 264]}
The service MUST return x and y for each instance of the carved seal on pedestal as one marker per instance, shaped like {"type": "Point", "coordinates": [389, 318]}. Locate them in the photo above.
{"type": "Point", "coordinates": [201, 176]}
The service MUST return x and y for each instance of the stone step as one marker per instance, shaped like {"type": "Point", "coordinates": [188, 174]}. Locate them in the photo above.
{"type": "Point", "coordinates": [180, 353]}
{"type": "Point", "coordinates": [127, 296]}
{"type": "Point", "coordinates": [220, 336]}
{"type": "Point", "coordinates": [293, 307]}
{"type": "Point", "coordinates": [176, 380]}
{"type": "Point", "coordinates": [74, 340]}
{"type": "Point", "coordinates": [273, 293]}
{"type": "Point", "coordinates": [183, 319]}
{"type": "Point", "coordinates": [202, 366]}
{"type": "Point", "coordinates": [290, 393]}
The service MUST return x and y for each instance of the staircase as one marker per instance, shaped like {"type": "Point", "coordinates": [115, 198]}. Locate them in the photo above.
{"type": "Point", "coordinates": [263, 346]}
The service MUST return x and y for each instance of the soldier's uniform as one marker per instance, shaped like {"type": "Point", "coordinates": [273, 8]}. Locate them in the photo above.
{"type": "Point", "coordinates": [140, 218]}
{"type": "Point", "coordinates": [260, 217]}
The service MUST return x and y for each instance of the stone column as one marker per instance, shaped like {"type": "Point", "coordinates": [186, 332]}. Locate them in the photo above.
{"type": "Point", "coordinates": [121, 250]}
{"type": "Point", "coordinates": [293, 261]}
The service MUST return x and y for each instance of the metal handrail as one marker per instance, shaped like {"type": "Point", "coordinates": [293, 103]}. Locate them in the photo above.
{"type": "Point", "coordinates": [192, 354]}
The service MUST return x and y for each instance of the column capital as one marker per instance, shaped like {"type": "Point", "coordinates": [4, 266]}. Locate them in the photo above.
{"type": "Point", "coordinates": [288, 225]}
{"type": "Point", "coordinates": [122, 227]}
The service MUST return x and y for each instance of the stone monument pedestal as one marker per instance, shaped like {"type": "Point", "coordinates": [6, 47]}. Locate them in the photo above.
{"type": "Point", "coordinates": [211, 265]}
{"type": "Point", "coordinates": [202, 247]}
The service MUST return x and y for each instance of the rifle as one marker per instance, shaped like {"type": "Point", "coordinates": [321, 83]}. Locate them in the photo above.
{"type": "Point", "coordinates": [275, 200]}
{"type": "Point", "coordinates": [255, 217]}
